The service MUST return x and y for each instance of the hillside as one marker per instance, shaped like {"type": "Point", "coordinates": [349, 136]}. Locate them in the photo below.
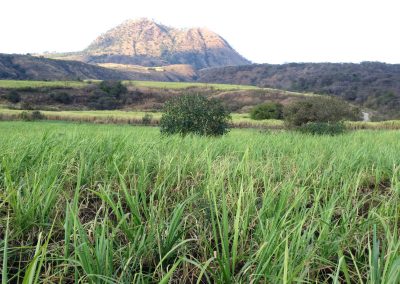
{"type": "Point", "coordinates": [370, 84]}
{"type": "Point", "coordinates": [147, 43]}
{"type": "Point", "coordinates": [139, 95]}
{"type": "Point", "coordinates": [25, 67]}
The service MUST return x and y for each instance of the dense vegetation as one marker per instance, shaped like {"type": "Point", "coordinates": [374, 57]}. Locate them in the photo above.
{"type": "Point", "coordinates": [322, 128]}
{"type": "Point", "coordinates": [319, 109]}
{"type": "Point", "coordinates": [194, 114]}
{"type": "Point", "coordinates": [107, 204]}
{"type": "Point", "coordinates": [138, 95]}
{"type": "Point", "coordinates": [370, 84]}
{"type": "Point", "coordinates": [267, 111]}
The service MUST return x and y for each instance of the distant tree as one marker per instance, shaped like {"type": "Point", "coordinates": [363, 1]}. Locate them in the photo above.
{"type": "Point", "coordinates": [31, 116]}
{"type": "Point", "coordinates": [267, 111]}
{"type": "Point", "coordinates": [63, 98]}
{"type": "Point", "coordinates": [27, 105]}
{"type": "Point", "coordinates": [323, 128]}
{"type": "Point", "coordinates": [102, 100]}
{"type": "Point", "coordinates": [194, 114]}
{"type": "Point", "coordinates": [319, 109]}
{"type": "Point", "coordinates": [105, 103]}
{"type": "Point", "coordinates": [13, 97]}
{"type": "Point", "coordinates": [147, 118]}
{"type": "Point", "coordinates": [113, 88]}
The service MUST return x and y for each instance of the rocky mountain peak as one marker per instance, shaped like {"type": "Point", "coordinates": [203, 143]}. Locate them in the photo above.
{"type": "Point", "coordinates": [146, 42]}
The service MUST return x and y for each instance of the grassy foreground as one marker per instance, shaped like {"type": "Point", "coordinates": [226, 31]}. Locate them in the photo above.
{"type": "Point", "coordinates": [122, 204]}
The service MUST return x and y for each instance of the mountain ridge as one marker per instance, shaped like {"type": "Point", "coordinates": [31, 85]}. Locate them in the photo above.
{"type": "Point", "coordinates": [26, 67]}
{"type": "Point", "coordinates": [148, 43]}
{"type": "Point", "coordinates": [374, 85]}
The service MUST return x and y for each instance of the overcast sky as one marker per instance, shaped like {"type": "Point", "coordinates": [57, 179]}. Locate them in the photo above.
{"type": "Point", "coordinates": [264, 31]}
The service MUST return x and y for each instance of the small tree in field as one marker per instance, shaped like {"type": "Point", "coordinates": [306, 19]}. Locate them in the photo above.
{"type": "Point", "coordinates": [194, 114]}
{"type": "Point", "coordinates": [267, 111]}
{"type": "Point", "coordinates": [320, 115]}
{"type": "Point", "coordinates": [319, 109]}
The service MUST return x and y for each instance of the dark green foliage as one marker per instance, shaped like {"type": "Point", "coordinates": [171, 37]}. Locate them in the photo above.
{"type": "Point", "coordinates": [108, 96]}
{"type": "Point", "coordinates": [27, 105]}
{"type": "Point", "coordinates": [147, 118]}
{"type": "Point", "coordinates": [194, 114]}
{"type": "Point", "coordinates": [113, 88]}
{"type": "Point", "coordinates": [267, 111]}
{"type": "Point", "coordinates": [319, 109]}
{"type": "Point", "coordinates": [31, 116]}
{"type": "Point", "coordinates": [323, 128]}
{"type": "Point", "coordinates": [37, 115]}
{"type": "Point", "coordinates": [105, 103]}
{"type": "Point", "coordinates": [13, 97]}
{"type": "Point", "coordinates": [62, 98]}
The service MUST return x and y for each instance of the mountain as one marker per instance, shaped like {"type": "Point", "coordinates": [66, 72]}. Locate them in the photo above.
{"type": "Point", "coordinates": [147, 43]}
{"type": "Point", "coordinates": [370, 84]}
{"type": "Point", "coordinates": [26, 67]}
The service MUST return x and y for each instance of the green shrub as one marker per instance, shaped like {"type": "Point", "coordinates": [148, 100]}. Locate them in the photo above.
{"type": "Point", "coordinates": [105, 103]}
{"type": "Point", "coordinates": [62, 98]}
{"type": "Point", "coordinates": [37, 115]}
{"type": "Point", "coordinates": [147, 118]}
{"type": "Point", "coordinates": [113, 88]}
{"type": "Point", "coordinates": [25, 116]}
{"type": "Point", "coordinates": [13, 97]}
{"type": "Point", "coordinates": [319, 109]}
{"type": "Point", "coordinates": [267, 111]}
{"type": "Point", "coordinates": [27, 106]}
{"type": "Point", "coordinates": [101, 100]}
{"type": "Point", "coordinates": [194, 114]}
{"type": "Point", "coordinates": [31, 116]}
{"type": "Point", "coordinates": [323, 128]}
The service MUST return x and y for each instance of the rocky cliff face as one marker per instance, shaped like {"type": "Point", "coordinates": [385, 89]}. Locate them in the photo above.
{"type": "Point", "coordinates": [145, 42]}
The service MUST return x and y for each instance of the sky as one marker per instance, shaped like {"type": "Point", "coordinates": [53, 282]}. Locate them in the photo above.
{"type": "Point", "coordinates": [263, 31]}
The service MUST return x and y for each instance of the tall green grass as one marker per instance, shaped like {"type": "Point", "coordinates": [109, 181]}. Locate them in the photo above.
{"type": "Point", "coordinates": [121, 204]}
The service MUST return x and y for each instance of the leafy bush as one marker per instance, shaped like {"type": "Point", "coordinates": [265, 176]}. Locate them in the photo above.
{"type": "Point", "coordinates": [113, 88]}
{"type": "Point", "coordinates": [108, 96]}
{"type": "Point", "coordinates": [27, 105]}
{"type": "Point", "coordinates": [105, 103]}
{"type": "Point", "coordinates": [31, 116]}
{"type": "Point", "coordinates": [13, 97]}
{"type": "Point", "coordinates": [267, 111]}
{"type": "Point", "coordinates": [319, 109]}
{"type": "Point", "coordinates": [147, 118]}
{"type": "Point", "coordinates": [323, 128]}
{"type": "Point", "coordinates": [62, 98]}
{"type": "Point", "coordinates": [101, 100]}
{"type": "Point", "coordinates": [37, 115]}
{"type": "Point", "coordinates": [194, 114]}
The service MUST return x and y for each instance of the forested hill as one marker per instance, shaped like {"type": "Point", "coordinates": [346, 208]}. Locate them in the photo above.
{"type": "Point", "coordinates": [371, 84]}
